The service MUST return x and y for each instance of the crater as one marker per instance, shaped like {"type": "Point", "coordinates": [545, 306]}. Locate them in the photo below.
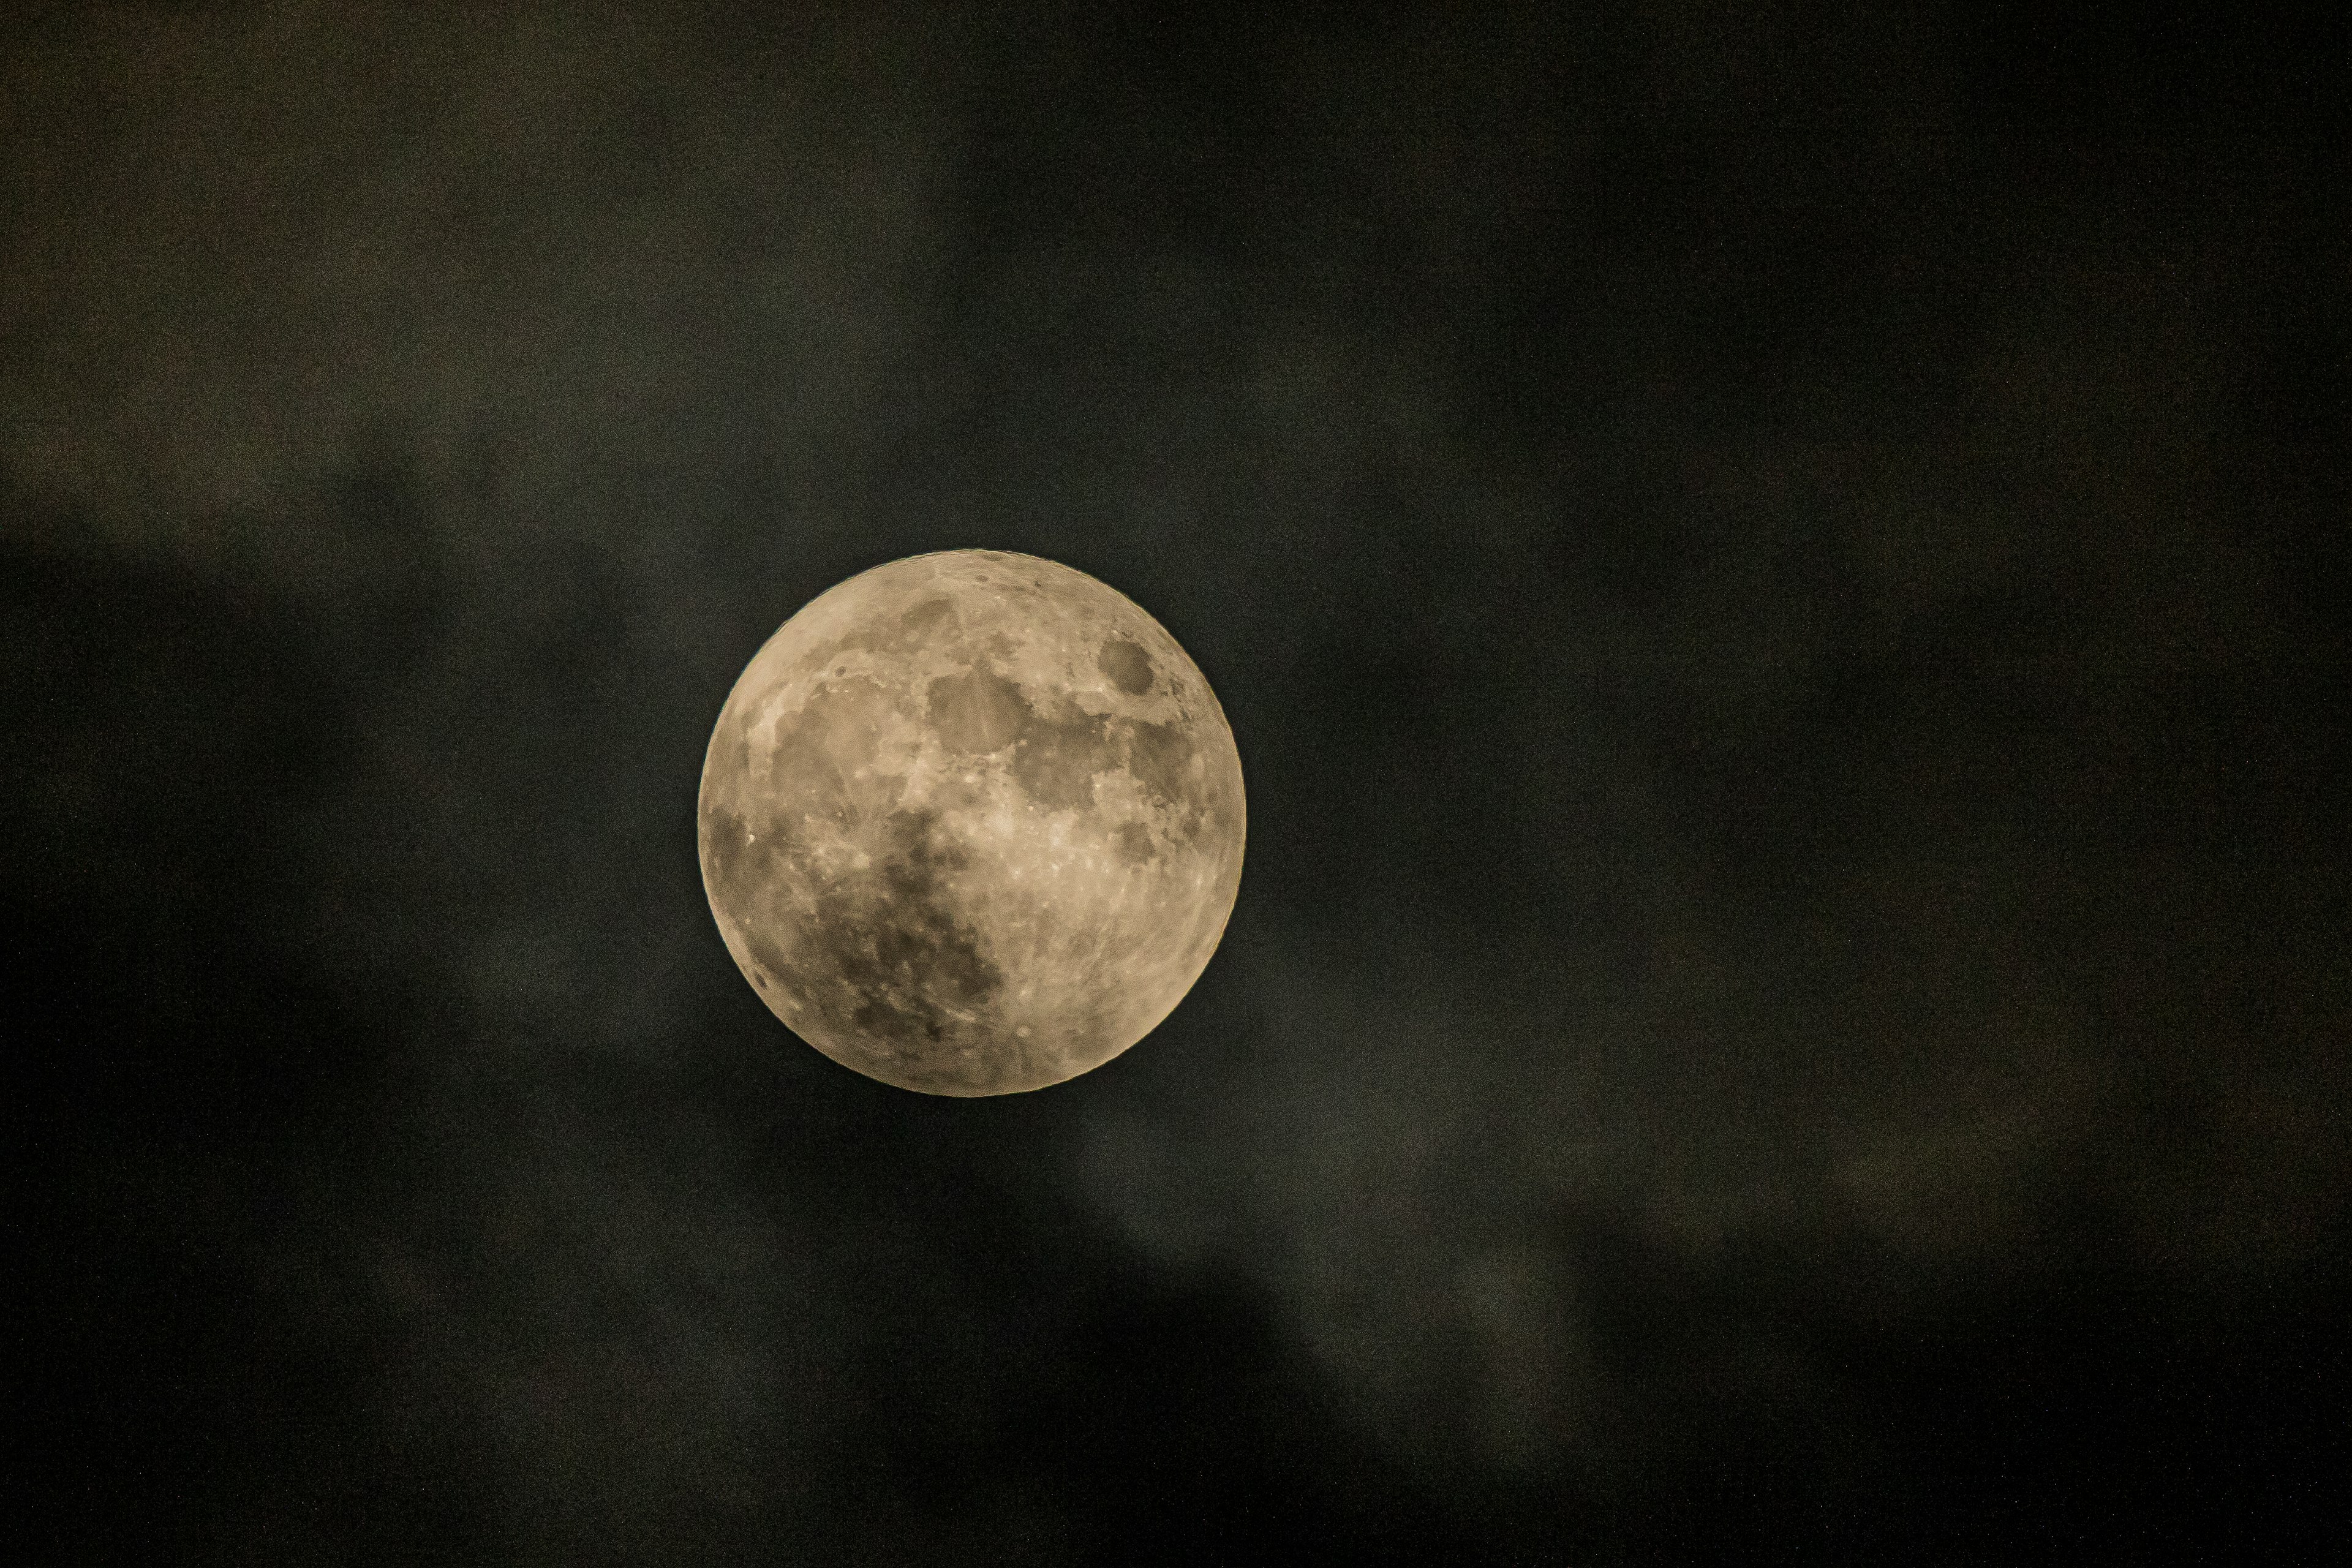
{"type": "Point", "coordinates": [1126, 665]}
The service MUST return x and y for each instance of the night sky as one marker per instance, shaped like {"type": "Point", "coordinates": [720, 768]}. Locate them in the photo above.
{"type": "Point", "coordinates": [1782, 577]}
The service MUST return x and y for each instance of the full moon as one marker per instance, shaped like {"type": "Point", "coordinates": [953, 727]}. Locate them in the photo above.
{"type": "Point", "coordinates": [972, 823]}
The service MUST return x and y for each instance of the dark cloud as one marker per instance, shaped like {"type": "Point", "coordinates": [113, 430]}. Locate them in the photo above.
{"type": "Point", "coordinates": [1779, 581]}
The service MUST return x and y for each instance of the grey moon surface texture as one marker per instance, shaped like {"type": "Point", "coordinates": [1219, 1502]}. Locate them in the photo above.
{"type": "Point", "coordinates": [972, 823]}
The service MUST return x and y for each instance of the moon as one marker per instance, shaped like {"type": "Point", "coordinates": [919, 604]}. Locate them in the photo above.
{"type": "Point", "coordinates": [972, 823]}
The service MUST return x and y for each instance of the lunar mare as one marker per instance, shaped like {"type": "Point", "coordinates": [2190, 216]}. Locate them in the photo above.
{"type": "Point", "coordinates": [972, 823]}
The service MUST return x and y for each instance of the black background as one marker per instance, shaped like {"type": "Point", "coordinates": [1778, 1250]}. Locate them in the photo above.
{"type": "Point", "coordinates": [1782, 578]}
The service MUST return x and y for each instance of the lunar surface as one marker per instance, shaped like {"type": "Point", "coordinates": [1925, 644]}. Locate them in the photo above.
{"type": "Point", "coordinates": [972, 823]}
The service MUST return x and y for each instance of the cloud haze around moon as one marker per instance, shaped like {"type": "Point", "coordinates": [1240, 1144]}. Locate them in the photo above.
{"type": "Point", "coordinates": [1788, 861]}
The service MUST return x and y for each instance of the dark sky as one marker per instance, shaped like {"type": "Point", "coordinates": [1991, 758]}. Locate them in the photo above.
{"type": "Point", "coordinates": [1781, 577]}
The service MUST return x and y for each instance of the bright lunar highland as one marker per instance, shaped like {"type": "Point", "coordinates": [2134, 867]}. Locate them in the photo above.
{"type": "Point", "coordinates": [972, 823]}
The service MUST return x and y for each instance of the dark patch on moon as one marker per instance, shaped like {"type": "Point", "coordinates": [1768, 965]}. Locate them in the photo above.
{"type": "Point", "coordinates": [1160, 758]}
{"type": "Point", "coordinates": [920, 618]}
{"type": "Point", "coordinates": [1059, 755]}
{"type": "Point", "coordinates": [891, 942]}
{"type": "Point", "coordinates": [763, 930]}
{"type": "Point", "coordinates": [897, 636]}
{"type": "Point", "coordinates": [820, 749]}
{"type": "Point", "coordinates": [1135, 844]}
{"type": "Point", "coordinates": [977, 712]}
{"type": "Point", "coordinates": [1126, 665]}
